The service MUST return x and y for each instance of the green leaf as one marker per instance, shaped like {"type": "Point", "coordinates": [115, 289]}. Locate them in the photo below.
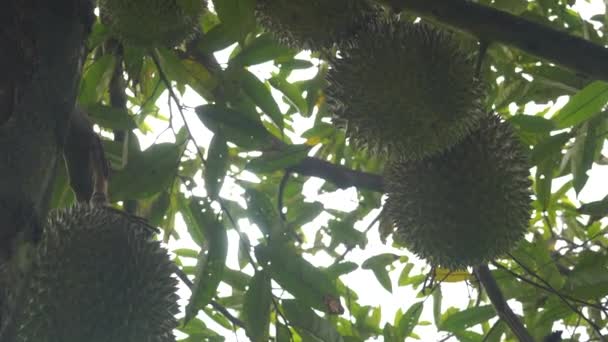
{"type": "Point", "coordinates": [263, 49]}
{"type": "Point", "coordinates": [110, 117]}
{"type": "Point", "coordinates": [532, 124]}
{"type": "Point", "coordinates": [257, 307]}
{"type": "Point", "coordinates": [542, 183]}
{"type": "Point", "coordinates": [217, 165]}
{"type": "Point", "coordinates": [583, 105]}
{"type": "Point", "coordinates": [210, 266]}
{"type": "Point", "coordinates": [296, 275]}
{"type": "Point", "coordinates": [283, 334]}
{"type": "Point", "coordinates": [236, 127]}
{"type": "Point", "coordinates": [263, 212]}
{"type": "Point", "coordinates": [437, 298]}
{"type": "Point", "coordinates": [278, 160]}
{"type": "Point", "coordinates": [467, 318]}
{"type": "Point", "coordinates": [218, 38]}
{"type": "Point", "coordinates": [378, 264]}
{"type": "Point", "coordinates": [260, 94]}
{"type": "Point", "coordinates": [342, 268]}
{"type": "Point", "coordinates": [379, 261]}
{"type": "Point", "coordinates": [595, 209]}
{"type": "Point", "coordinates": [589, 279]}
{"type": "Point", "coordinates": [405, 273]}
{"type": "Point", "coordinates": [96, 80]}
{"type": "Point", "coordinates": [187, 72]}
{"type": "Point", "coordinates": [549, 147]}
{"type": "Point", "coordinates": [148, 173]}
{"type": "Point", "coordinates": [303, 318]}
{"type": "Point", "coordinates": [582, 154]}
{"type": "Point", "coordinates": [186, 253]}
{"type": "Point", "coordinates": [292, 92]}
{"type": "Point", "coordinates": [409, 320]}
{"type": "Point", "coordinates": [238, 15]}
{"type": "Point", "coordinates": [496, 332]}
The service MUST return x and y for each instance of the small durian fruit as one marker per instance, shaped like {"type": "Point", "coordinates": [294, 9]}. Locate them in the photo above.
{"type": "Point", "coordinates": [99, 276]}
{"type": "Point", "coordinates": [152, 23]}
{"type": "Point", "coordinates": [404, 89]}
{"type": "Point", "coordinates": [465, 206]}
{"type": "Point", "coordinates": [314, 24]}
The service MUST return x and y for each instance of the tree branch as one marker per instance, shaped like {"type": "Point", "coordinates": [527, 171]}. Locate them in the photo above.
{"type": "Point", "coordinates": [340, 176]}
{"type": "Point", "coordinates": [500, 304]}
{"type": "Point", "coordinates": [491, 25]}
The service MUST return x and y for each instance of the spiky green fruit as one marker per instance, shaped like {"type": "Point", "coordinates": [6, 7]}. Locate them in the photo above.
{"type": "Point", "coordinates": [404, 89]}
{"type": "Point", "coordinates": [99, 277]}
{"type": "Point", "coordinates": [464, 206]}
{"type": "Point", "coordinates": [152, 23]}
{"type": "Point", "coordinates": [314, 24]}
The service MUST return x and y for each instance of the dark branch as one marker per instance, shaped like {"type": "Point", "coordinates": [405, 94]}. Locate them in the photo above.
{"type": "Point", "coordinates": [340, 176]}
{"type": "Point", "coordinates": [491, 25]}
{"type": "Point", "coordinates": [500, 304]}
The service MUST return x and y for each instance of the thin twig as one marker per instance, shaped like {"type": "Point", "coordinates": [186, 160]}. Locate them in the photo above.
{"type": "Point", "coordinates": [595, 327]}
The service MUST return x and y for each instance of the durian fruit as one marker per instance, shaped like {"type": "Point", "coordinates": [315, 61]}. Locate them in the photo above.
{"type": "Point", "coordinates": [99, 277]}
{"type": "Point", "coordinates": [152, 23]}
{"type": "Point", "coordinates": [404, 89]}
{"type": "Point", "coordinates": [465, 206]}
{"type": "Point", "coordinates": [314, 24]}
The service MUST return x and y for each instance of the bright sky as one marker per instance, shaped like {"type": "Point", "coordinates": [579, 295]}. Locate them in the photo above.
{"type": "Point", "coordinates": [362, 281]}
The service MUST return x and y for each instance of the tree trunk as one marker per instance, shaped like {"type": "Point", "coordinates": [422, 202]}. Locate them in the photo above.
{"type": "Point", "coordinates": [42, 46]}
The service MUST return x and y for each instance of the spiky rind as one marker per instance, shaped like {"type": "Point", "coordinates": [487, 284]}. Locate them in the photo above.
{"type": "Point", "coordinates": [314, 24]}
{"type": "Point", "coordinates": [404, 89]}
{"type": "Point", "coordinates": [99, 277]}
{"type": "Point", "coordinates": [153, 23]}
{"type": "Point", "coordinates": [465, 206]}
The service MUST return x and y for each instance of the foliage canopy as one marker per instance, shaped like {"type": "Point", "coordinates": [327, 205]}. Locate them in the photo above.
{"type": "Point", "coordinates": [279, 257]}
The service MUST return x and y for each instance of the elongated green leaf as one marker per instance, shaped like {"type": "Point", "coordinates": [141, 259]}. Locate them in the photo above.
{"type": "Point", "coordinates": [549, 147]}
{"type": "Point", "coordinates": [235, 126]}
{"type": "Point", "coordinates": [110, 117]}
{"type": "Point", "coordinates": [194, 229]}
{"type": "Point", "coordinates": [409, 320]}
{"type": "Point", "coordinates": [303, 318]}
{"type": "Point", "coordinates": [263, 212]}
{"type": "Point", "coordinates": [187, 72]}
{"type": "Point", "coordinates": [377, 264]}
{"type": "Point", "coordinates": [380, 260]}
{"type": "Point", "coordinates": [405, 273]}
{"type": "Point", "coordinates": [296, 275]}
{"type": "Point", "coordinates": [467, 318]}
{"type": "Point", "coordinates": [278, 160]}
{"type": "Point", "coordinates": [533, 124]}
{"type": "Point", "coordinates": [217, 165]}
{"type": "Point", "coordinates": [217, 38]}
{"type": "Point", "coordinates": [263, 49]}
{"type": "Point", "coordinates": [587, 146]}
{"type": "Point", "coordinates": [437, 298]}
{"type": "Point", "coordinates": [210, 266]}
{"type": "Point", "coordinates": [342, 268]}
{"type": "Point", "coordinates": [583, 105]}
{"type": "Point", "coordinates": [292, 92]}
{"type": "Point", "coordinates": [542, 183]}
{"type": "Point", "coordinates": [496, 331]}
{"type": "Point", "coordinates": [595, 209]}
{"type": "Point", "coordinates": [238, 15]}
{"type": "Point", "coordinates": [147, 173]}
{"type": "Point", "coordinates": [96, 80]}
{"type": "Point", "coordinates": [262, 97]}
{"type": "Point", "coordinates": [257, 307]}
